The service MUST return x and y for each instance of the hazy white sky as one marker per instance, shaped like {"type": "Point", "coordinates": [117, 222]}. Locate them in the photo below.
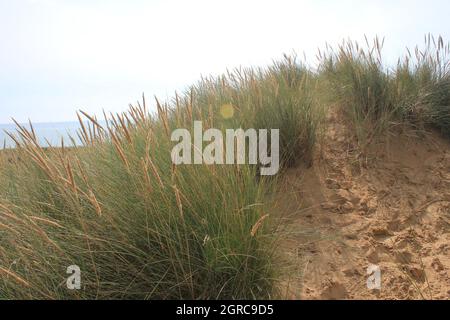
{"type": "Point", "coordinates": [57, 56]}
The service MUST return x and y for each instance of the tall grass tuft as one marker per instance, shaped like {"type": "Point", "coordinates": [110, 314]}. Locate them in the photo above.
{"type": "Point", "coordinates": [136, 225]}
{"type": "Point", "coordinates": [281, 96]}
{"type": "Point", "coordinates": [377, 97]}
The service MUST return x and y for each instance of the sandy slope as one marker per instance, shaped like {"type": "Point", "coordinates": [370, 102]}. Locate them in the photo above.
{"type": "Point", "coordinates": [391, 210]}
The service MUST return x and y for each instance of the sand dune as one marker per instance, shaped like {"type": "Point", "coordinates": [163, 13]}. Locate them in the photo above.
{"type": "Point", "coordinates": [389, 207]}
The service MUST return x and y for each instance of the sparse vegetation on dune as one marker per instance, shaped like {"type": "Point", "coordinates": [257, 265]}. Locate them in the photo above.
{"type": "Point", "coordinates": [141, 228]}
{"type": "Point", "coordinates": [377, 97]}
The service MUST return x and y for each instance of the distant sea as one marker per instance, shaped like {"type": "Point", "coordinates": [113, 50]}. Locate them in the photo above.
{"type": "Point", "coordinates": [53, 132]}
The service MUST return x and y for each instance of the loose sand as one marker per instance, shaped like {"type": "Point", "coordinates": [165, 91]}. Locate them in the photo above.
{"type": "Point", "coordinates": [390, 208]}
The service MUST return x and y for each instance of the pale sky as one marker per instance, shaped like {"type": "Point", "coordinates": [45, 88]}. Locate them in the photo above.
{"type": "Point", "coordinates": [57, 56]}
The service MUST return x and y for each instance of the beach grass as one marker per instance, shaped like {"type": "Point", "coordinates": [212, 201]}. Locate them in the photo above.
{"type": "Point", "coordinates": [140, 227]}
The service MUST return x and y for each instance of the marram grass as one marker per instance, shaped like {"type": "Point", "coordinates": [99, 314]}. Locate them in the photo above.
{"type": "Point", "coordinates": [136, 225]}
{"type": "Point", "coordinates": [377, 97]}
{"type": "Point", "coordinates": [141, 228]}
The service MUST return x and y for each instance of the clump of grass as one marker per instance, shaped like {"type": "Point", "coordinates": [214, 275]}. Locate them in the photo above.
{"type": "Point", "coordinates": [289, 103]}
{"type": "Point", "coordinates": [361, 85]}
{"type": "Point", "coordinates": [279, 97]}
{"type": "Point", "coordinates": [432, 80]}
{"type": "Point", "coordinates": [137, 226]}
{"type": "Point", "coordinates": [377, 97]}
